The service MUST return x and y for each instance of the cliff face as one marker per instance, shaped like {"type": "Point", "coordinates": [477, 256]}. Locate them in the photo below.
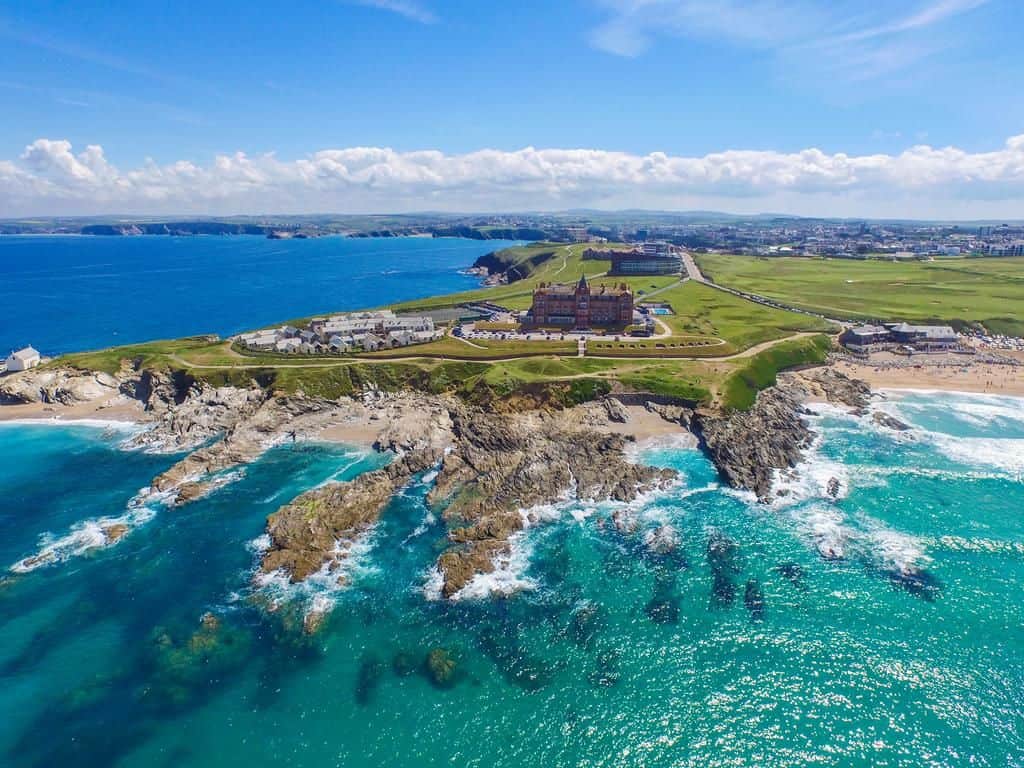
{"type": "Point", "coordinates": [748, 447]}
{"type": "Point", "coordinates": [510, 265]}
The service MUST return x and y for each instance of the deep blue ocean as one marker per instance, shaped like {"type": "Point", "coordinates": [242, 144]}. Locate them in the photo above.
{"type": "Point", "coordinates": [882, 627]}
{"type": "Point", "coordinates": [69, 293]}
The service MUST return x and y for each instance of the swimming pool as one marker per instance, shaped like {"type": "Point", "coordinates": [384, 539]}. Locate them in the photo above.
{"type": "Point", "coordinates": [661, 311]}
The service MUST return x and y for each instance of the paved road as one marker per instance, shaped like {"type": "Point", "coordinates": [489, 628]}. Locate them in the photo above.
{"type": "Point", "coordinates": [692, 270]}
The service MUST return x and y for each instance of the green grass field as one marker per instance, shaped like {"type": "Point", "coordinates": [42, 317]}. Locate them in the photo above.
{"type": "Point", "coordinates": [958, 291]}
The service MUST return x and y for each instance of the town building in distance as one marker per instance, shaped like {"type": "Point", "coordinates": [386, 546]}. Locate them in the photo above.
{"type": "Point", "coordinates": [357, 331]}
{"type": "Point", "coordinates": [650, 259]}
{"type": "Point", "coordinates": [582, 306]}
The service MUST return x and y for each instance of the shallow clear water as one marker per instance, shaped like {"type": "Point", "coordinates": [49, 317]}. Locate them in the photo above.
{"type": "Point", "coordinates": [908, 651]}
{"type": "Point", "coordinates": [67, 294]}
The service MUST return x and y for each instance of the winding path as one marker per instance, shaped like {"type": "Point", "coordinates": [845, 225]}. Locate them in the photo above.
{"type": "Point", "coordinates": [749, 352]}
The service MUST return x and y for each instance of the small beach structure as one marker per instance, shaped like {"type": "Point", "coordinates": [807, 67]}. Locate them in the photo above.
{"type": "Point", "coordinates": [23, 359]}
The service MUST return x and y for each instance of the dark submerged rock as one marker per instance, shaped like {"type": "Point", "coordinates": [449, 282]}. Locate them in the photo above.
{"type": "Point", "coordinates": [722, 556]}
{"type": "Point", "coordinates": [403, 664]}
{"type": "Point", "coordinates": [793, 573]}
{"type": "Point", "coordinates": [918, 583]}
{"type": "Point", "coordinates": [753, 598]}
{"type": "Point", "coordinates": [440, 668]}
{"type": "Point", "coordinates": [367, 679]}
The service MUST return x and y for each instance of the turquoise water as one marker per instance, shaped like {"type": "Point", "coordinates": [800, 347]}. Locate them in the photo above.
{"type": "Point", "coordinates": [908, 651]}
{"type": "Point", "coordinates": [67, 294]}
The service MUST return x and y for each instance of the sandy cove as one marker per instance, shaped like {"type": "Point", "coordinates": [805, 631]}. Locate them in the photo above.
{"type": "Point", "coordinates": [949, 375]}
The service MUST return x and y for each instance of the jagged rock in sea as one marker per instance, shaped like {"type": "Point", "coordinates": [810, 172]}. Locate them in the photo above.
{"type": "Point", "coordinates": [312, 531]}
{"type": "Point", "coordinates": [502, 464]}
{"type": "Point", "coordinates": [889, 422]}
{"type": "Point", "coordinates": [748, 447]}
{"type": "Point", "coordinates": [662, 540]}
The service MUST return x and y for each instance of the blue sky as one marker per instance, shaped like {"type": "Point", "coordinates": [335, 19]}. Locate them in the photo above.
{"type": "Point", "coordinates": [159, 88]}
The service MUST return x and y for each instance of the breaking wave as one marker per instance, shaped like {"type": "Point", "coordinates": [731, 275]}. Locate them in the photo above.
{"type": "Point", "coordinates": [84, 538]}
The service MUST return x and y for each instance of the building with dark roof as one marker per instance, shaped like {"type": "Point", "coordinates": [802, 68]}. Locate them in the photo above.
{"type": "Point", "coordinates": [581, 306]}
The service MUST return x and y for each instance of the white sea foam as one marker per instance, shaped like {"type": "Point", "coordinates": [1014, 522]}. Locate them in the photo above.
{"type": "Point", "coordinates": [317, 593]}
{"type": "Point", "coordinates": [508, 576]}
{"type": "Point", "coordinates": [433, 584]}
{"type": "Point", "coordinates": [1003, 454]}
{"type": "Point", "coordinates": [108, 426]}
{"type": "Point", "coordinates": [428, 520]}
{"type": "Point", "coordinates": [978, 544]}
{"type": "Point", "coordinates": [816, 477]}
{"type": "Point", "coordinates": [83, 538]}
{"type": "Point", "coordinates": [895, 551]}
{"type": "Point", "coordinates": [826, 529]}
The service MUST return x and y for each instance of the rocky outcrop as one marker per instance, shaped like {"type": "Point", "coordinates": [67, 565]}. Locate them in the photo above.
{"type": "Point", "coordinates": [494, 470]}
{"type": "Point", "coordinates": [832, 386]}
{"type": "Point", "coordinates": [253, 424]}
{"type": "Point", "coordinates": [748, 447]}
{"type": "Point", "coordinates": [187, 416]}
{"type": "Point", "coordinates": [317, 529]}
{"type": "Point", "coordinates": [615, 410]}
{"type": "Point", "coordinates": [501, 466]}
{"type": "Point", "coordinates": [58, 386]}
{"type": "Point", "coordinates": [410, 421]}
{"type": "Point", "coordinates": [676, 414]}
{"type": "Point", "coordinates": [889, 422]}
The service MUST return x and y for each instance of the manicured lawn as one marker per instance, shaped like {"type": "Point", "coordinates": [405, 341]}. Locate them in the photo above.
{"type": "Point", "coordinates": [701, 310]}
{"type": "Point", "coordinates": [959, 291]}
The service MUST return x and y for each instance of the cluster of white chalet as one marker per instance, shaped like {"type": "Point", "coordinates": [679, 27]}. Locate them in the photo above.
{"type": "Point", "coordinates": [358, 331]}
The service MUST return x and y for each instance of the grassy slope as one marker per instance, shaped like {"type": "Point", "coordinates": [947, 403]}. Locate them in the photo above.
{"type": "Point", "coordinates": [958, 291]}
{"type": "Point", "coordinates": [759, 372]}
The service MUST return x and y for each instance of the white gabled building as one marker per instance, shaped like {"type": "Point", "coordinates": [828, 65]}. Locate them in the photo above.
{"type": "Point", "coordinates": [23, 359]}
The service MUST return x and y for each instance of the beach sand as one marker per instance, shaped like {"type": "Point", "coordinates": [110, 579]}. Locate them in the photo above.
{"type": "Point", "coordinates": [984, 378]}
{"type": "Point", "coordinates": [123, 409]}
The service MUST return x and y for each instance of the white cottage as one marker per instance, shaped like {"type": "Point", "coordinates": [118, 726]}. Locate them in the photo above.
{"type": "Point", "coordinates": [23, 359]}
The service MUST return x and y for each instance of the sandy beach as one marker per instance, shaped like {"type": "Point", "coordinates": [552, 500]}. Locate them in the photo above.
{"type": "Point", "coordinates": [119, 409]}
{"type": "Point", "coordinates": [983, 378]}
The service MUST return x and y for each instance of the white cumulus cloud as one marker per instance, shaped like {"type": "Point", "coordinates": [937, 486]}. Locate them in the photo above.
{"type": "Point", "coordinates": [50, 178]}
